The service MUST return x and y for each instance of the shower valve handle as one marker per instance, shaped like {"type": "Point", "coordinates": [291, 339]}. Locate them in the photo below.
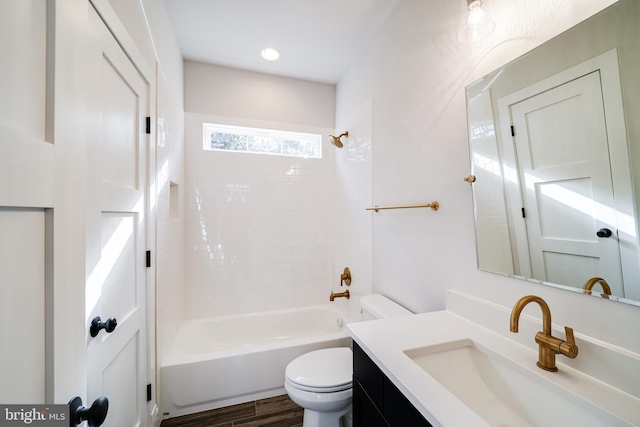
{"type": "Point", "coordinates": [345, 277]}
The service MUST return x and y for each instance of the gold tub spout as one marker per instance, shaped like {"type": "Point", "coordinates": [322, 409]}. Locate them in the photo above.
{"type": "Point", "coordinates": [344, 294]}
{"type": "Point", "coordinates": [588, 286]}
{"type": "Point", "coordinates": [548, 345]}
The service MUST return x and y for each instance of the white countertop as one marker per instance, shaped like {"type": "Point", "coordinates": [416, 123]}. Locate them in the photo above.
{"type": "Point", "coordinates": [385, 340]}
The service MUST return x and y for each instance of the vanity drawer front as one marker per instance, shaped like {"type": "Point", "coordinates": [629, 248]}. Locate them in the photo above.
{"type": "Point", "coordinates": [365, 412]}
{"type": "Point", "coordinates": [369, 375]}
{"type": "Point", "coordinates": [398, 410]}
{"type": "Point", "coordinates": [377, 402]}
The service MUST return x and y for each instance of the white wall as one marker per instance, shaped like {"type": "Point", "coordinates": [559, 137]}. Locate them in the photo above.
{"type": "Point", "coordinates": [492, 229]}
{"type": "Point", "coordinates": [259, 229]}
{"type": "Point", "coordinates": [169, 257]}
{"type": "Point", "coordinates": [353, 243]}
{"type": "Point", "coordinates": [170, 217]}
{"type": "Point", "coordinates": [415, 71]}
{"type": "Point", "coordinates": [230, 92]}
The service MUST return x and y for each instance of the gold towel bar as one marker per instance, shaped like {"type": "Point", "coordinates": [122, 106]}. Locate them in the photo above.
{"type": "Point", "coordinates": [433, 205]}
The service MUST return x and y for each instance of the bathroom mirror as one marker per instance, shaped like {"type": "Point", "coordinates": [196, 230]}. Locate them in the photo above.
{"type": "Point", "coordinates": [555, 150]}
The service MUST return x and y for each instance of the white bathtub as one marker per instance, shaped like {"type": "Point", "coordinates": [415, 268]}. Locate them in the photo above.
{"type": "Point", "coordinates": [223, 361]}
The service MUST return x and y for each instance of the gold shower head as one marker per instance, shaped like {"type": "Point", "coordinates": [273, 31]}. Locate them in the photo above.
{"type": "Point", "coordinates": [335, 140]}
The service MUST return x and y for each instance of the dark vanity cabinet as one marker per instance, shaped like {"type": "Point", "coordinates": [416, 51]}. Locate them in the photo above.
{"type": "Point", "coordinates": [376, 401]}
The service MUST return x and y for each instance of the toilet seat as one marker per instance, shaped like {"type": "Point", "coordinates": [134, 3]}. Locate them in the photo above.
{"type": "Point", "coordinates": [322, 371]}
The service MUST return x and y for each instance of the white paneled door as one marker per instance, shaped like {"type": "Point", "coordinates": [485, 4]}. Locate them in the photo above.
{"type": "Point", "coordinates": [74, 209]}
{"type": "Point", "coordinates": [26, 199]}
{"type": "Point", "coordinates": [22, 303]}
{"type": "Point", "coordinates": [116, 230]}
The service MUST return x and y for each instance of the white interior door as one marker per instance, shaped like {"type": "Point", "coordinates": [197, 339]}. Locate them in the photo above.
{"type": "Point", "coordinates": [26, 198]}
{"type": "Point", "coordinates": [565, 175]}
{"type": "Point", "coordinates": [116, 227]}
{"type": "Point", "coordinates": [22, 305]}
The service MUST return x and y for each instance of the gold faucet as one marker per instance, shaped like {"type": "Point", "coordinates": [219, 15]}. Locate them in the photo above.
{"type": "Point", "coordinates": [344, 294]}
{"type": "Point", "coordinates": [549, 345]}
{"type": "Point", "coordinates": [606, 290]}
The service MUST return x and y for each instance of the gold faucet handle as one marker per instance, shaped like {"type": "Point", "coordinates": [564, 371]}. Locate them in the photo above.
{"type": "Point", "coordinates": [569, 347]}
{"type": "Point", "coordinates": [345, 277]}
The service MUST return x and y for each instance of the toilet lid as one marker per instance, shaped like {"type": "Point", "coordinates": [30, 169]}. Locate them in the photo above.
{"type": "Point", "coordinates": [329, 368]}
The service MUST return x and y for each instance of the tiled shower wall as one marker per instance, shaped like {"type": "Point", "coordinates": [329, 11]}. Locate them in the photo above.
{"type": "Point", "coordinates": [259, 229]}
{"type": "Point", "coordinates": [353, 194]}
{"type": "Point", "coordinates": [170, 219]}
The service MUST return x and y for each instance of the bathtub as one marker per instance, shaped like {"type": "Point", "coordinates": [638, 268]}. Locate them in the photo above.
{"type": "Point", "coordinates": [223, 361]}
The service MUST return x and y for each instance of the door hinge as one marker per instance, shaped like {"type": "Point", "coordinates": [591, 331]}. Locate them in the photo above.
{"type": "Point", "coordinates": [149, 397]}
{"type": "Point", "coordinates": [513, 131]}
{"type": "Point", "coordinates": [523, 215]}
{"type": "Point", "coordinates": [149, 125]}
{"type": "Point", "coordinates": [148, 259]}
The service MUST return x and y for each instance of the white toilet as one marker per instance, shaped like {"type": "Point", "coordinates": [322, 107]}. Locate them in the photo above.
{"type": "Point", "coordinates": [321, 381]}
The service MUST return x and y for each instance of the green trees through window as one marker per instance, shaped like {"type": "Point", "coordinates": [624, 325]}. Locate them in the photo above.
{"type": "Point", "coordinates": [264, 141]}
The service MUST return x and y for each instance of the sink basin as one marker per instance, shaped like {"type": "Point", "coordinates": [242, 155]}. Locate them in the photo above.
{"type": "Point", "coordinates": [504, 393]}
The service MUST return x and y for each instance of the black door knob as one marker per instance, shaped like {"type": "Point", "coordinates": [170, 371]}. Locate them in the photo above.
{"type": "Point", "coordinates": [97, 324]}
{"type": "Point", "coordinates": [94, 416]}
{"type": "Point", "coordinates": [604, 232]}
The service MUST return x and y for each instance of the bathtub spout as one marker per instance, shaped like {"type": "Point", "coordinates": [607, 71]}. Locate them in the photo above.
{"type": "Point", "coordinates": [338, 295]}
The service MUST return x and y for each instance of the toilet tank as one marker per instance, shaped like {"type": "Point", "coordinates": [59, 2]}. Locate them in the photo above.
{"type": "Point", "coordinates": [377, 306]}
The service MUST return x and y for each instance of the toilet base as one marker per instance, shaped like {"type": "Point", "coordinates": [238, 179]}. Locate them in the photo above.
{"type": "Point", "coordinates": [323, 419]}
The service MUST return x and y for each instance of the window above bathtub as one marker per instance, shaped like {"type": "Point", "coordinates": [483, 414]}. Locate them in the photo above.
{"type": "Point", "coordinates": [241, 139]}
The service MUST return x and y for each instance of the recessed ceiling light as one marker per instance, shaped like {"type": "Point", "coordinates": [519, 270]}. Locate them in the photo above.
{"type": "Point", "coordinates": [270, 54]}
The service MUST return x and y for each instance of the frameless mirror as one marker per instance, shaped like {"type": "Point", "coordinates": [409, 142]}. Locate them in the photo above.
{"type": "Point", "coordinates": [555, 149]}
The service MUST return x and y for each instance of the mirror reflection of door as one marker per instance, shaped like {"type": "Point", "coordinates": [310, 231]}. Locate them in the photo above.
{"type": "Point", "coordinates": [564, 170]}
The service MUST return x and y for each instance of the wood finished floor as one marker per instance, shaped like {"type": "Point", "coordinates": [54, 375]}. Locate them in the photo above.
{"type": "Point", "coordinates": [277, 411]}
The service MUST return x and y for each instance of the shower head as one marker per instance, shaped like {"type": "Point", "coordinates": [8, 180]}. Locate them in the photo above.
{"type": "Point", "coordinates": [335, 140]}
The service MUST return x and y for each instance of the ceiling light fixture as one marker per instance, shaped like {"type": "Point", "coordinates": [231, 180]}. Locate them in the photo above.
{"type": "Point", "coordinates": [473, 4]}
{"type": "Point", "coordinates": [270, 54]}
{"type": "Point", "coordinates": [477, 26]}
